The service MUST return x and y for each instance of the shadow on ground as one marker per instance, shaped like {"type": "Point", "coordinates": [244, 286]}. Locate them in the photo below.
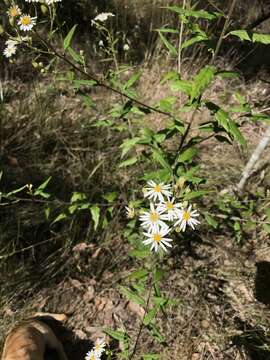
{"type": "Point", "coordinates": [262, 282]}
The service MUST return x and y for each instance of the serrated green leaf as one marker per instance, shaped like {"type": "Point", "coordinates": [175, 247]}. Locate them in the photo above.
{"type": "Point", "coordinates": [69, 37]}
{"type": "Point", "coordinates": [131, 295]}
{"type": "Point", "coordinates": [95, 213]}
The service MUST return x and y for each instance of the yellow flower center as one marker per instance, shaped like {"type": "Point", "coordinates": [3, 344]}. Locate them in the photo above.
{"type": "Point", "coordinates": [157, 238]}
{"type": "Point", "coordinates": [158, 188]}
{"type": "Point", "coordinates": [25, 20]}
{"type": "Point", "coordinates": [154, 216]}
{"type": "Point", "coordinates": [97, 347]}
{"type": "Point", "coordinates": [13, 11]}
{"type": "Point", "coordinates": [186, 215]}
{"type": "Point", "coordinates": [169, 205]}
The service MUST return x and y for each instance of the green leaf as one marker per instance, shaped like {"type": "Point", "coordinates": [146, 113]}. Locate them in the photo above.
{"type": "Point", "coordinates": [15, 191]}
{"type": "Point", "coordinates": [138, 274]}
{"type": "Point", "coordinates": [132, 296]}
{"type": "Point", "coordinates": [79, 83]}
{"type": "Point", "coordinates": [135, 77]}
{"type": "Point", "coordinates": [182, 85]}
{"type": "Point", "coordinates": [227, 74]}
{"type": "Point", "coordinates": [226, 122]}
{"type": "Point", "coordinates": [150, 356]}
{"type": "Point", "coordinates": [156, 333]}
{"type": "Point", "coordinates": [194, 194]}
{"type": "Point", "coordinates": [128, 162]}
{"type": "Point", "coordinates": [261, 38]}
{"type": "Point", "coordinates": [69, 37]}
{"type": "Point", "coordinates": [44, 184]}
{"type": "Point", "coordinates": [75, 56]}
{"type": "Point", "coordinates": [168, 45]}
{"type": "Point", "coordinates": [193, 40]}
{"type": "Point", "coordinates": [117, 335]}
{"type": "Point", "coordinates": [241, 34]}
{"type": "Point", "coordinates": [187, 155]}
{"type": "Point", "coordinates": [60, 217]}
{"type": "Point", "coordinates": [168, 30]}
{"type": "Point", "coordinates": [171, 75]}
{"type": "Point", "coordinates": [77, 196]}
{"type": "Point", "coordinates": [208, 15]}
{"type": "Point", "coordinates": [128, 144]}
{"type": "Point", "coordinates": [95, 212]}
{"type": "Point", "coordinates": [202, 80]}
{"type": "Point", "coordinates": [111, 196]}
{"type": "Point", "coordinates": [139, 254]}
{"type": "Point", "coordinates": [211, 221]}
{"type": "Point", "coordinates": [158, 275]}
{"type": "Point", "coordinates": [160, 158]}
{"type": "Point", "coordinates": [150, 316]}
{"type": "Point", "coordinates": [267, 212]}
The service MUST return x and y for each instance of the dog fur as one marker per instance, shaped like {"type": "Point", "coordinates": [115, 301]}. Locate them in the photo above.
{"type": "Point", "coordinates": [30, 339]}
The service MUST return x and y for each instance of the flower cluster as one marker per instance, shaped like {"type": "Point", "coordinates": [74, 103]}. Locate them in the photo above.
{"type": "Point", "coordinates": [97, 351]}
{"type": "Point", "coordinates": [24, 22]}
{"type": "Point", "coordinates": [48, 2]}
{"type": "Point", "coordinates": [164, 215]}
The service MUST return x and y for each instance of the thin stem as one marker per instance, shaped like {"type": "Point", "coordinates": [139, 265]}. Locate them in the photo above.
{"type": "Point", "coordinates": [142, 322]}
{"type": "Point", "coordinates": [100, 83]}
{"type": "Point", "coordinates": [223, 31]}
{"type": "Point", "coordinates": [180, 41]}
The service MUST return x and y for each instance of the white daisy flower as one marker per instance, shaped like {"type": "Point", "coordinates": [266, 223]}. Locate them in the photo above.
{"type": "Point", "coordinates": [49, 2]}
{"type": "Point", "coordinates": [126, 47]}
{"type": "Point", "coordinates": [156, 191]}
{"type": "Point", "coordinates": [26, 22]}
{"type": "Point", "coordinates": [10, 49]}
{"type": "Point", "coordinates": [170, 208]}
{"type": "Point", "coordinates": [130, 212]}
{"type": "Point", "coordinates": [158, 240]}
{"type": "Point", "coordinates": [99, 347]}
{"type": "Point", "coordinates": [103, 16]}
{"type": "Point", "coordinates": [186, 216]}
{"type": "Point", "coordinates": [14, 11]}
{"type": "Point", "coordinates": [152, 220]}
{"type": "Point", "coordinates": [91, 356]}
